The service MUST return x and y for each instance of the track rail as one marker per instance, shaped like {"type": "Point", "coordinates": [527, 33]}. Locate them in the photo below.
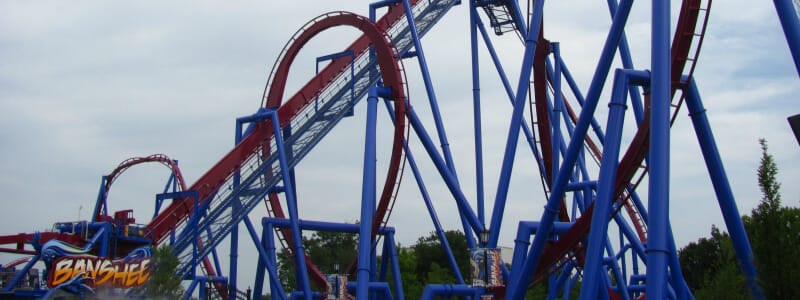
{"type": "Point", "coordinates": [254, 160]}
{"type": "Point", "coordinates": [686, 35]}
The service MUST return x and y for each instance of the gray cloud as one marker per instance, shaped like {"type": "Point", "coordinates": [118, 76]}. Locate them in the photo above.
{"type": "Point", "coordinates": [86, 85]}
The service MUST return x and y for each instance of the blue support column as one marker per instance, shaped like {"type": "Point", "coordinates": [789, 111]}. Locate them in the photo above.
{"type": "Point", "coordinates": [301, 270]}
{"type": "Point", "coordinates": [791, 28]}
{"type": "Point", "coordinates": [258, 285]}
{"type": "Point", "coordinates": [558, 104]}
{"type": "Point", "coordinates": [514, 126]}
{"type": "Point", "coordinates": [722, 188]}
{"type": "Point", "coordinates": [594, 271]}
{"type": "Point", "coordinates": [476, 111]}
{"type": "Point", "coordinates": [398, 281]}
{"type": "Point", "coordinates": [429, 205]}
{"type": "Point", "coordinates": [516, 290]}
{"type": "Point", "coordinates": [449, 180]}
{"type": "Point", "coordinates": [658, 189]}
{"type": "Point", "coordinates": [426, 77]}
{"type": "Point", "coordinates": [234, 255]}
{"type": "Point", "coordinates": [367, 200]}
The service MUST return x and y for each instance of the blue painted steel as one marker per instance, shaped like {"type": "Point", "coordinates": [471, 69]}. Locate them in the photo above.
{"type": "Point", "coordinates": [507, 86]}
{"type": "Point", "coordinates": [258, 285]}
{"type": "Point", "coordinates": [24, 272]}
{"type": "Point", "coordinates": [722, 188]}
{"type": "Point", "coordinates": [101, 205]}
{"type": "Point", "coordinates": [678, 283]}
{"type": "Point", "coordinates": [551, 209]}
{"type": "Point", "coordinates": [558, 107]}
{"type": "Point", "coordinates": [398, 281]}
{"type": "Point", "coordinates": [627, 63]}
{"type": "Point", "coordinates": [791, 28]}
{"type": "Point", "coordinates": [352, 74]}
{"type": "Point", "coordinates": [449, 290]}
{"type": "Point", "coordinates": [452, 185]}
{"type": "Point", "coordinates": [267, 257]}
{"type": "Point", "coordinates": [514, 126]}
{"type": "Point", "coordinates": [476, 111]}
{"type": "Point", "coordinates": [437, 225]}
{"type": "Point", "coordinates": [593, 269]}
{"type": "Point", "coordinates": [426, 77]}
{"type": "Point", "coordinates": [374, 288]}
{"type": "Point", "coordinates": [367, 199]}
{"type": "Point", "coordinates": [291, 202]}
{"type": "Point", "coordinates": [576, 92]}
{"type": "Point", "coordinates": [658, 188]}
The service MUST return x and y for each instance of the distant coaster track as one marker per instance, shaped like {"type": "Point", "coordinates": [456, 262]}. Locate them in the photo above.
{"type": "Point", "coordinates": [101, 207]}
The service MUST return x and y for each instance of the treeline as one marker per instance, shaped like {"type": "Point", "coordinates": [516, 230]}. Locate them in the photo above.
{"type": "Point", "coordinates": [710, 266]}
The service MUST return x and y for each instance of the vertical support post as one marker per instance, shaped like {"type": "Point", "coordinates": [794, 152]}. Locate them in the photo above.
{"type": "Point", "coordinates": [514, 126]}
{"type": "Point", "coordinates": [476, 112]}
{"type": "Point", "coordinates": [100, 205]}
{"type": "Point", "coordinates": [658, 193]}
{"type": "Point", "coordinates": [558, 103]}
{"type": "Point", "coordinates": [594, 271]}
{"type": "Point", "coordinates": [573, 149]}
{"type": "Point", "coordinates": [236, 206]}
{"type": "Point", "coordinates": [367, 200]}
{"type": "Point", "coordinates": [398, 282]}
{"type": "Point", "coordinates": [258, 285]}
{"type": "Point", "coordinates": [426, 77]}
{"type": "Point", "coordinates": [301, 271]}
{"type": "Point", "coordinates": [722, 188]}
{"type": "Point", "coordinates": [437, 117]}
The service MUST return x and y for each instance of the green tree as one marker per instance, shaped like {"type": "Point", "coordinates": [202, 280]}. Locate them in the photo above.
{"type": "Point", "coordinates": [774, 234]}
{"type": "Point", "coordinates": [164, 283]}
{"type": "Point", "coordinates": [329, 250]}
{"type": "Point", "coordinates": [701, 260]}
{"type": "Point", "coordinates": [710, 267]}
{"type": "Point", "coordinates": [426, 262]}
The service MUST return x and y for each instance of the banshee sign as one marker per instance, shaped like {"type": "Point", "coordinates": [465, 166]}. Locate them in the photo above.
{"type": "Point", "coordinates": [101, 271]}
{"type": "Point", "coordinates": [65, 263]}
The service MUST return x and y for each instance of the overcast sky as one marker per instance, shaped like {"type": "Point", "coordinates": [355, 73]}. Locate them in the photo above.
{"type": "Point", "coordinates": [85, 85]}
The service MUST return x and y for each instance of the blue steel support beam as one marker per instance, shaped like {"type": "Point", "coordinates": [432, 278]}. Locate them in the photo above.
{"type": "Point", "coordinates": [517, 285]}
{"type": "Point", "coordinates": [234, 251]}
{"type": "Point", "coordinates": [452, 185]}
{"type": "Point", "coordinates": [437, 225]}
{"type": "Point", "coordinates": [367, 199]}
{"type": "Point", "coordinates": [398, 281]}
{"type": "Point", "coordinates": [266, 258]}
{"type": "Point", "coordinates": [576, 92]}
{"type": "Point", "coordinates": [449, 290]}
{"type": "Point", "coordinates": [434, 104]}
{"type": "Point", "coordinates": [678, 282]}
{"type": "Point", "coordinates": [100, 206]}
{"type": "Point", "coordinates": [426, 77]}
{"type": "Point", "coordinates": [507, 86]}
{"type": "Point", "coordinates": [514, 126]}
{"type": "Point", "coordinates": [658, 155]}
{"type": "Point", "coordinates": [593, 269]}
{"type": "Point", "coordinates": [24, 272]}
{"type": "Point", "coordinates": [291, 202]}
{"type": "Point", "coordinates": [722, 188]}
{"type": "Point", "coordinates": [558, 104]}
{"type": "Point", "coordinates": [791, 28]}
{"type": "Point", "coordinates": [476, 111]}
{"type": "Point", "coordinates": [627, 63]}
{"type": "Point", "coordinates": [258, 285]}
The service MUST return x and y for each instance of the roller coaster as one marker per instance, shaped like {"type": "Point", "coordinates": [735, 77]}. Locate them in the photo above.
{"type": "Point", "coordinates": [601, 234]}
